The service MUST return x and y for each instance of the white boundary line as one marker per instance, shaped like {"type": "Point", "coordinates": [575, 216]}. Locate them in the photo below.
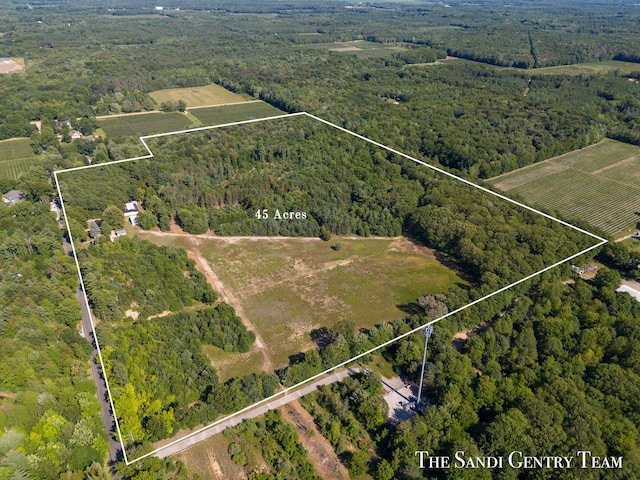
{"type": "Point", "coordinates": [601, 242]}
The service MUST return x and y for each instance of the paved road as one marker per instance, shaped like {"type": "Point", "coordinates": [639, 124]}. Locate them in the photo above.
{"type": "Point", "coordinates": [115, 453]}
{"type": "Point", "coordinates": [278, 402]}
{"type": "Point", "coordinates": [107, 418]}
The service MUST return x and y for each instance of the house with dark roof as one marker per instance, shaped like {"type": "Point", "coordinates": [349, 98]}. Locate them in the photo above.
{"type": "Point", "coordinates": [12, 197]}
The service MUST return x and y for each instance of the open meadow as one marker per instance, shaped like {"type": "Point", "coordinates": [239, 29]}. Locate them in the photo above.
{"type": "Point", "coordinates": [598, 184]}
{"type": "Point", "coordinates": [235, 113]}
{"type": "Point", "coordinates": [137, 125]}
{"type": "Point", "coordinates": [290, 287]}
{"type": "Point", "coordinates": [197, 96]}
{"type": "Point", "coordinates": [361, 48]}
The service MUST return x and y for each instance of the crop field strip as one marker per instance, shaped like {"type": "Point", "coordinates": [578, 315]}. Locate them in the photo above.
{"type": "Point", "coordinates": [12, 169]}
{"type": "Point", "coordinates": [15, 148]}
{"type": "Point", "coordinates": [148, 124]}
{"type": "Point", "coordinates": [597, 184]}
{"type": "Point", "coordinates": [599, 201]}
{"type": "Point", "coordinates": [590, 68]}
{"type": "Point", "coordinates": [197, 96]}
{"type": "Point", "coordinates": [234, 113]}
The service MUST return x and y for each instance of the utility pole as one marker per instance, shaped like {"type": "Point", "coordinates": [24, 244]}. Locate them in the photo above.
{"type": "Point", "coordinates": [428, 330]}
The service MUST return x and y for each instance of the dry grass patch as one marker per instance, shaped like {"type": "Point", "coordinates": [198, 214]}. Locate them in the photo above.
{"type": "Point", "coordinates": [11, 65]}
{"type": "Point", "coordinates": [210, 460]}
{"type": "Point", "coordinates": [291, 287]}
{"type": "Point", "coordinates": [197, 96]}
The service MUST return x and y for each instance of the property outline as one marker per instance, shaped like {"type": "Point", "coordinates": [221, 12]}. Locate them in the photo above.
{"type": "Point", "coordinates": [601, 241]}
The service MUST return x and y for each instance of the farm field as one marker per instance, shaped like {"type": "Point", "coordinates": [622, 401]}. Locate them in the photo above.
{"type": "Point", "coordinates": [235, 113]}
{"type": "Point", "coordinates": [288, 287]}
{"type": "Point", "coordinates": [197, 96]}
{"type": "Point", "coordinates": [15, 148]}
{"type": "Point", "coordinates": [12, 169]}
{"type": "Point", "coordinates": [597, 184]}
{"type": "Point", "coordinates": [144, 124]}
{"type": "Point", "coordinates": [361, 48]}
{"type": "Point", "coordinates": [16, 157]}
{"type": "Point", "coordinates": [589, 68]}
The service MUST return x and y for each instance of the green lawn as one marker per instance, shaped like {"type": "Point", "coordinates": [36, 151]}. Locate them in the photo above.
{"type": "Point", "coordinates": [632, 244]}
{"type": "Point", "coordinates": [137, 125]}
{"type": "Point", "coordinates": [598, 184]}
{"type": "Point", "coordinates": [235, 113]}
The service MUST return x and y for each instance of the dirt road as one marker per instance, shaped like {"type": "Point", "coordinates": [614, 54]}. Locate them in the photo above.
{"type": "Point", "coordinates": [321, 454]}
{"type": "Point", "coordinates": [229, 298]}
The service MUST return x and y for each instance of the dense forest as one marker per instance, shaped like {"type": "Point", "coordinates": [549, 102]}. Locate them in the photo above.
{"type": "Point", "coordinates": [222, 179]}
{"type": "Point", "coordinates": [49, 414]}
{"type": "Point", "coordinates": [143, 278]}
{"type": "Point", "coordinates": [556, 372]}
{"type": "Point", "coordinates": [553, 367]}
{"type": "Point", "coordinates": [161, 379]}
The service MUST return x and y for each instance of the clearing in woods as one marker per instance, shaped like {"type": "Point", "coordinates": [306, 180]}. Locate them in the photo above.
{"type": "Point", "coordinates": [598, 184]}
{"type": "Point", "coordinates": [362, 48]}
{"type": "Point", "coordinates": [290, 287]}
{"type": "Point", "coordinates": [208, 95]}
{"type": "Point", "coordinates": [210, 459]}
{"type": "Point", "coordinates": [11, 65]}
{"type": "Point", "coordinates": [590, 68]}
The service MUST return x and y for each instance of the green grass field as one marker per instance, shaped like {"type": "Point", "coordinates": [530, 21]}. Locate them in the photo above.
{"type": "Point", "coordinates": [598, 184]}
{"type": "Point", "coordinates": [234, 113]}
{"type": "Point", "coordinates": [15, 148]}
{"type": "Point", "coordinates": [290, 287]}
{"type": "Point", "coordinates": [144, 124]}
{"type": "Point", "coordinates": [361, 48]}
{"type": "Point", "coordinates": [197, 96]}
{"type": "Point", "coordinates": [632, 244]}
